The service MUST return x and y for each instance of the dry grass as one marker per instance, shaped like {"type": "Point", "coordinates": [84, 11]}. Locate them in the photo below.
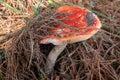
{"type": "Point", "coordinates": [95, 59]}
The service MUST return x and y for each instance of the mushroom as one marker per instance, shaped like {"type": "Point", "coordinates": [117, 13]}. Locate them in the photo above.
{"type": "Point", "coordinates": [83, 24]}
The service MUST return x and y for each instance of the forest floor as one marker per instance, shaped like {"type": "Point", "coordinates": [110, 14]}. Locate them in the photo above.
{"type": "Point", "coordinates": [97, 58]}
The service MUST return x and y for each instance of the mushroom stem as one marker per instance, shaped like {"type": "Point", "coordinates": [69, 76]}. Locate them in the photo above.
{"type": "Point", "coordinates": [53, 55]}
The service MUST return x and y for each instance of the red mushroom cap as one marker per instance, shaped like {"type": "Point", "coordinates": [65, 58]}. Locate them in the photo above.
{"type": "Point", "coordinates": [83, 25]}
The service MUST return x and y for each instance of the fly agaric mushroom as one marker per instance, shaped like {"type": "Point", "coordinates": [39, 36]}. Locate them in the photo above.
{"type": "Point", "coordinates": [83, 24]}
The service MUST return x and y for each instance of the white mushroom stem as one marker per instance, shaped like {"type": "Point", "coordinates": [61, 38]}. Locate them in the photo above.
{"type": "Point", "coordinates": [53, 55]}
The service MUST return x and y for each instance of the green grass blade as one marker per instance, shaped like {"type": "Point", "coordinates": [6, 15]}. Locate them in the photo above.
{"type": "Point", "coordinates": [20, 4]}
{"type": "Point", "coordinates": [103, 15]}
{"type": "Point", "coordinates": [91, 3]}
{"type": "Point", "coordinates": [26, 19]}
{"type": "Point", "coordinates": [52, 3]}
{"type": "Point", "coordinates": [36, 11]}
{"type": "Point", "coordinates": [9, 6]}
{"type": "Point", "coordinates": [42, 77]}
